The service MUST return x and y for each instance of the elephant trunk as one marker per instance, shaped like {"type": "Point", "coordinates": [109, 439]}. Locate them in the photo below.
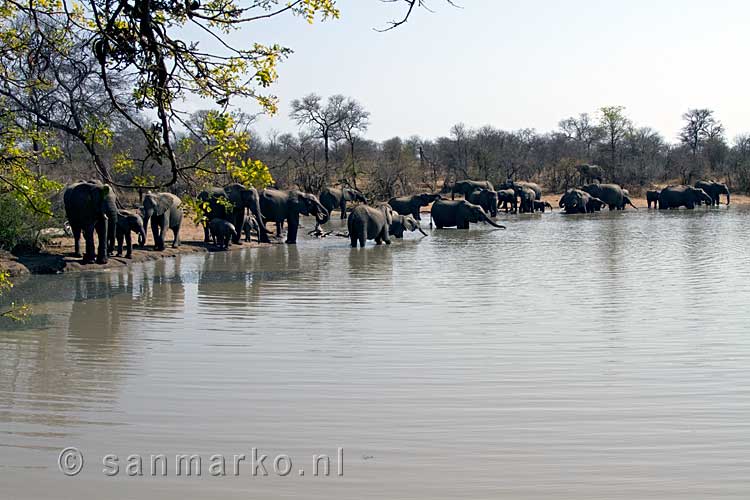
{"type": "Point", "coordinates": [493, 223]}
{"type": "Point", "coordinates": [421, 231]}
{"type": "Point", "coordinates": [142, 237]}
{"type": "Point", "coordinates": [321, 215]}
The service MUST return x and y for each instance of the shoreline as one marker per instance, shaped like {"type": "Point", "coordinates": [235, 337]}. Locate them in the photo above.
{"type": "Point", "coordinates": [57, 257]}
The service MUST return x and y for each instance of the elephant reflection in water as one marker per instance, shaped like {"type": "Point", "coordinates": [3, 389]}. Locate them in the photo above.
{"type": "Point", "coordinates": [229, 281]}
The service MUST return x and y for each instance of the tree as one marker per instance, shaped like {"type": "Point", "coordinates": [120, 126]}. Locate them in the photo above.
{"type": "Point", "coordinates": [700, 126]}
{"type": "Point", "coordinates": [583, 131]}
{"type": "Point", "coordinates": [615, 125]}
{"type": "Point", "coordinates": [355, 119]}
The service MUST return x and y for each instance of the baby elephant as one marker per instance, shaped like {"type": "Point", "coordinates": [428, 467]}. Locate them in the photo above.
{"type": "Point", "coordinates": [222, 232]}
{"type": "Point", "coordinates": [402, 223]}
{"type": "Point", "coordinates": [653, 197]}
{"type": "Point", "coordinates": [128, 222]}
{"type": "Point", "coordinates": [249, 226]}
{"type": "Point", "coordinates": [540, 206]}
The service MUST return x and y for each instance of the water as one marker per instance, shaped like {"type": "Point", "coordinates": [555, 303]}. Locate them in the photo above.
{"type": "Point", "coordinates": [602, 356]}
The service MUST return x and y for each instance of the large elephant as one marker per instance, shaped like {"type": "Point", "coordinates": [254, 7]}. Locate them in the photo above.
{"type": "Point", "coordinates": [486, 199]}
{"type": "Point", "coordinates": [590, 173]}
{"type": "Point", "coordinates": [612, 194]}
{"type": "Point", "coordinates": [682, 196]}
{"type": "Point", "coordinates": [332, 198]}
{"type": "Point", "coordinates": [507, 197]}
{"type": "Point", "coordinates": [526, 198]}
{"type": "Point", "coordinates": [278, 206]}
{"type": "Point", "coordinates": [576, 201]}
{"type": "Point", "coordinates": [653, 197]}
{"type": "Point", "coordinates": [511, 184]}
{"type": "Point", "coordinates": [369, 223]}
{"type": "Point", "coordinates": [459, 213]}
{"type": "Point", "coordinates": [164, 212]}
{"type": "Point", "coordinates": [402, 223]}
{"type": "Point", "coordinates": [128, 222]}
{"type": "Point", "coordinates": [241, 198]}
{"type": "Point", "coordinates": [465, 187]}
{"type": "Point", "coordinates": [91, 206]}
{"type": "Point", "coordinates": [714, 190]}
{"type": "Point", "coordinates": [410, 205]}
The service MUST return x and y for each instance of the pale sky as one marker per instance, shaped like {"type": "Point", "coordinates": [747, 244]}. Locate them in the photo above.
{"type": "Point", "coordinates": [518, 64]}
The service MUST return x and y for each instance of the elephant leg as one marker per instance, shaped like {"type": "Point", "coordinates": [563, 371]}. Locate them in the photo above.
{"type": "Point", "coordinates": [386, 237]}
{"type": "Point", "coordinates": [206, 234]}
{"type": "Point", "coordinates": [293, 225]}
{"type": "Point", "coordinates": [129, 246]}
{"type": "Point", "coordinates": [88, 237]}
{"type": "Point", "coordinates": [120, 238]}
{"type": "Point", "coordinates": [342, 207]}
{"type": "Point", "coordinates": [101, 234]}
{"type": "Point", "coordinates": [77, 241]}
{"type": "Point", "coordinates": [176, 241]}
{"type": "Point", "coordinates": [155, 232]}
{"type": "Point", "coordinates": [278, 228]}
{"type": "Point", "coordinates": [415, 214]}
{"type": "Point", "coordinates": [353, 239]}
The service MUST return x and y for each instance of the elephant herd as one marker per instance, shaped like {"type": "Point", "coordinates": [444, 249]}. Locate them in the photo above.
{"type": "Point", "coordinates": [91, 208]}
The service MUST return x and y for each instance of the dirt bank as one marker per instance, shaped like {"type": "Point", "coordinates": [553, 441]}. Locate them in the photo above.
{"type": "Point", "coordinates": [57, 256]}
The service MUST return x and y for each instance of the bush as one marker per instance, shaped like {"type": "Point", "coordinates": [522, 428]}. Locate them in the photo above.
{"type": "Point", "coordinates": [20, 225]}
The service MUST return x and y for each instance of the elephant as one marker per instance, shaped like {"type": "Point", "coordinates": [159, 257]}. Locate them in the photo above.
{"type": "Point", "coordinates": [590, 173]}
{"type": "Point", "coordinates": [576, 201]}
{"type": "Point", "coordinates": [332, 198]}
{"type": "Point", "coordinates": [682, 196]}
{"type": "Point", "coordinates": [511, 184]}
{"type": "Point", "coordinates": [370, 223]}
{"type": "Point", "coordinates": [222, 232]}
{"type": "Point", "coordinates": [410, 205]}
{"type": "Point", "coordinates": [278, 206]}
{"type": "Point", "coordinates": [164, 212]}
{"type": "Point", "coordinates": [465, 187]}
{"type": "Point", "coordinates": [653, 197]}
{"type": "Point", "coordinates": [459, 213]}
{"type": "Point", "coordinates": [526, 197]}
{"type": "Point", "coordinates": [241, 199]}
{"type": "Point", "coordinates": [540, 206]}
{"type": "Point", "coordinates": [714, 190]}
{"type": "Point", "coordinates": [89, 207]}
{"type": "Point", "coordinates": [486, 199]}
{"type": "Point", "coordinates": [508, 197]}
{"type": "Point", "coordinates": [249, 226]}
{"type": "Point", "coordinates": [403, 223]}
{"type": "Point", "coordinates": [612, 194]}
{"type": "Point", "coordinates": [128, 222]}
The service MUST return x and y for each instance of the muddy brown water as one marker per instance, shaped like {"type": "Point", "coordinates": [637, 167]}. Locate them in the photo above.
{"type": "Point", "coordinates": [603, 356]}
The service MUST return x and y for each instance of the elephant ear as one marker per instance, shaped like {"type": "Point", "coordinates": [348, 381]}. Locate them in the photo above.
{"type": "Point", "coordinates": [388, 214]}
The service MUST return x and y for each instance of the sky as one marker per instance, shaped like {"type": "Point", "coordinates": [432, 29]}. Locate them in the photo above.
{"type": "Point", "coordinates": [514, 64]}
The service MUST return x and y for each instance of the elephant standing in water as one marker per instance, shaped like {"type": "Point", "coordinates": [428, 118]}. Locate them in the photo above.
{"type": "Point", "coordinates": [486, 199]}
{"type": "Point", "coordinates": [541, 206]}
{"type": "Point", "coordinates": [128, 222]}
{"type": "Point", "coordinates": [682, 196]}
{"type": "Point", "coordinates": [714, 190]}
{"type": "Point", "coordinates": [410, 205]}
{"type": "Point", "coordinates": [459, 213]}
{"type": "Point", "coordinates": [507, 197]}
{"type": "Point", "coordinates": [465, 187]}
{"type": "Point", "coordinates": [368, 223]}
{"type": "Point", "coordinates": [653, 197]}
{"type": "Point", "coordinates": [89, 207]}
{"type": "Point", "coordinates": [526, 198]}
{"type": "Point", "coordinates": [241, 199]}
{"type": "Point", "coordinates": [332, 198]}
{"type": "Point", "coordinates": [612, 194]}
{"type": "Point", "coordinates": [402, 223]}
{"type": "Point", "coordinates": [576, 201]}
{"type": "Point", "coordinates": [278, 206]}
{"type": "Point", "coordinates": [164, 212]}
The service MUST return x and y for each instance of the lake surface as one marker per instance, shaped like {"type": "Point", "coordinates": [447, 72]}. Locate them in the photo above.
{"type": "Point", "coordinates": [600, 356]}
